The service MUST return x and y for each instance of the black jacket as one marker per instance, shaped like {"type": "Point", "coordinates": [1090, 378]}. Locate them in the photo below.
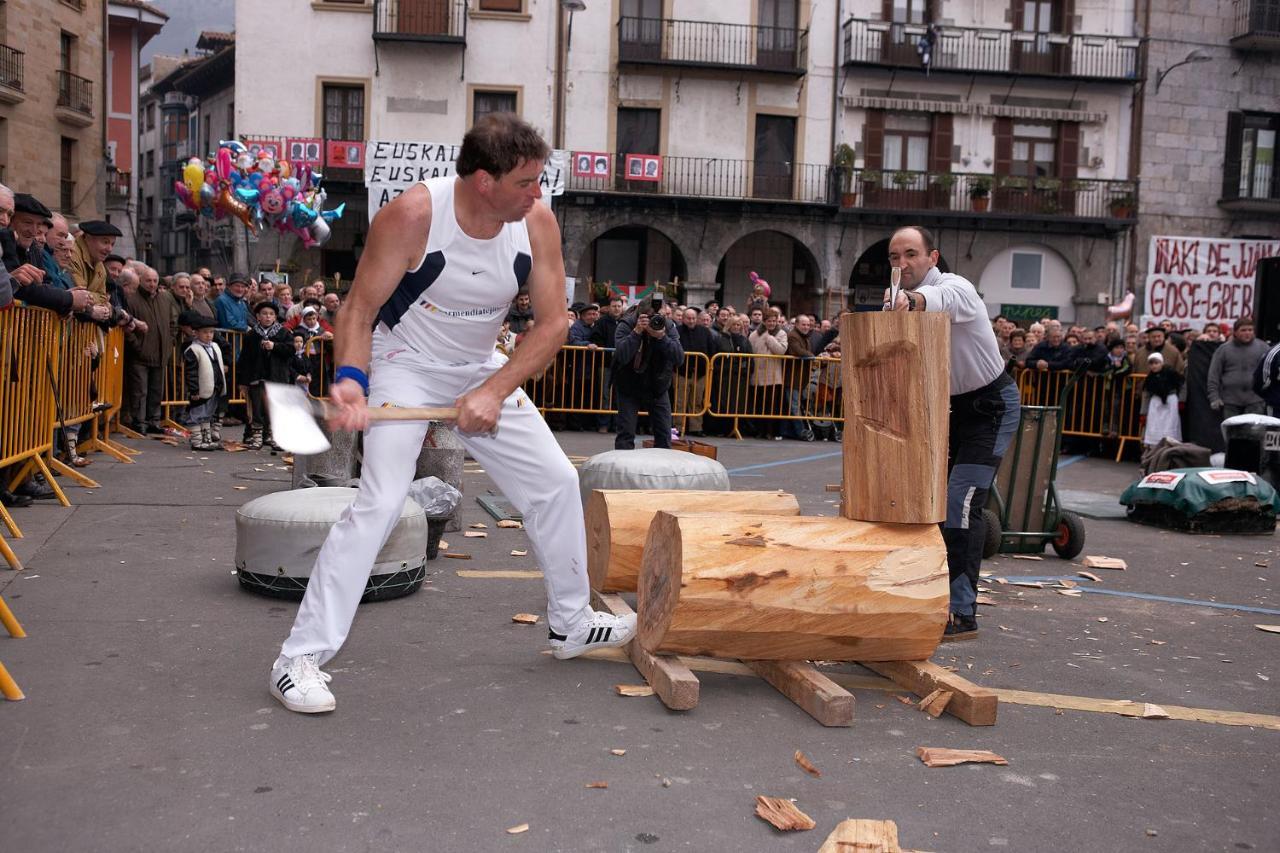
{"type": "Point", "coordinates": [1167, 381]}
{"type": "Point", "coordinates": [1058, 358]}
{"type": "Point", "coordinates": [642, 364]}
{"type": "Point", "coordinates": [38, 295]}
{"type": "Point", "coordinates": [605, 331]}
{"type": "Point", "coordinates": [257, 364]}
{"type": "Point", "coordinates": [696, 339]}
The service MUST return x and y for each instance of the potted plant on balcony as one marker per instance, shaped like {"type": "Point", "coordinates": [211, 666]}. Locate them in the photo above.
{"type": "Point", "coordinates": [842, 160]}
{"type": "Point", "coordinates": [1122, 204]}
{"type": "Point", "coordinates": [980, 193]}
{"type": "Point", "coordinates": [903, 179]}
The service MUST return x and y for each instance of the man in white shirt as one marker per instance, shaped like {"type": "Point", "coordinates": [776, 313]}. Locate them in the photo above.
{"type": "Point", "coordinates": [984, 410]}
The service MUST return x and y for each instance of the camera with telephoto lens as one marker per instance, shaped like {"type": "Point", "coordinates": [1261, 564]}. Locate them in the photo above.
{"type": "Point", "coordinates": [657, 323]}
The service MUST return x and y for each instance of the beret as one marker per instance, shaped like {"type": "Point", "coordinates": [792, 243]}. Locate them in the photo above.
{"type": "Point", "coordinates": [27, 203]}
{"type": "Point", "coordinates": [98, 228]}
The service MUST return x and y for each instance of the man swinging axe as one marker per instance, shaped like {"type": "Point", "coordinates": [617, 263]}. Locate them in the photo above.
{"type": "Point", "coordinates": [984, 408]}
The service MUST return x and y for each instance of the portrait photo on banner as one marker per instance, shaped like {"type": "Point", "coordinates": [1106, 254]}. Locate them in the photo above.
{"type": "Point", "coordinates": [643, 167]}
{"type": "Point", "coordinates": [590, 164]}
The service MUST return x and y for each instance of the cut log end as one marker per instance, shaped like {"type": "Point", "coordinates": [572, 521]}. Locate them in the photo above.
{"type": "Point", "coordinates": [656, 599]}
{"type": "Point", "coordinates": [598, 540]}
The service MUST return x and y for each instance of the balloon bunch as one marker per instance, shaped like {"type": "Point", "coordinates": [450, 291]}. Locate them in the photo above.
{"type": "Point", "coordinates": [260, 192]}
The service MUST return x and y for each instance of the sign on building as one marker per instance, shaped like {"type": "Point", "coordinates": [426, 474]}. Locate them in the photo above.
{"type": "Point", "coordinates": [1197, 280]}
{"type": "Point", "coordinates": [390, 168]}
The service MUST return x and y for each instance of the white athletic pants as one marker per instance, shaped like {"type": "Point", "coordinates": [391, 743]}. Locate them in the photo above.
{"type": "Point", "coordinates": [523, 458]}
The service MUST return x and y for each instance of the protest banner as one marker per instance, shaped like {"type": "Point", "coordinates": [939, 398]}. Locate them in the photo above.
{"type": "Point", "coordinates": [1197, 280]}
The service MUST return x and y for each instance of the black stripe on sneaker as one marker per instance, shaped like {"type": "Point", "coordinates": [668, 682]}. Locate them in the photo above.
{"type": "Point", "coordinates": [608, 632]}
{"type": "Point", "coordinates": [591, 636]}
{"type": "Point", "coordinates": [285, 683]}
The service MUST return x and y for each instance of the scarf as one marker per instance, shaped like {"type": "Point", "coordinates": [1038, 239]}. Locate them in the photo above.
{"type": "Point", "coordinates": [268, 333]}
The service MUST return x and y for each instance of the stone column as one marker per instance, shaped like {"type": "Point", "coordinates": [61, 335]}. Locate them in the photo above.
{"type": "Point", "coordinates": [697, 294]}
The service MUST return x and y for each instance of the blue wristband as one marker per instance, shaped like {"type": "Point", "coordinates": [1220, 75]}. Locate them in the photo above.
{"type": "Point", "coordinates": [346, 371]}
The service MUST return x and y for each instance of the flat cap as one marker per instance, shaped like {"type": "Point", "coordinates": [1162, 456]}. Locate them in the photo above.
{"type": "Point", "coordinates": [98, 228]}
{"type": "Point", "coordinates": [27, 203]}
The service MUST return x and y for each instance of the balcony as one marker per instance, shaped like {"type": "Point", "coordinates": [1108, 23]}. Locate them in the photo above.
{"type": "Point", "coordinates": [119, 188]}
{"type": "Point", "coordinates": [1257, 25]}
{"type": "Point", "coordinates": [707, 44]}
{"type": "Point", "coordinates": [75, 99]}
{"type": "Point", "coordinates": [988, 196]}
{"type": "Point", "coordinates": [440, 21]}
{"type": "Point", "coordinates": [714, 178]}
{"type": "Point", "coordinates": [974, 50]}
{"type": "Point", "coordinates": [11, 84]}
{"type": "Point", "coordinates": [1257, 194]}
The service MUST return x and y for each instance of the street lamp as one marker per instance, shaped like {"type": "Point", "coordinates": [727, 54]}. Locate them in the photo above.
{"type": "Point", "coordinates": [562, 56]}
{"type": "Point", "coordinates": [1196, 55]}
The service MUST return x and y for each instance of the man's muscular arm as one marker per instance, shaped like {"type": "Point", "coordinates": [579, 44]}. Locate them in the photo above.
{"type": "Point", "coordinates": [387, 256]}
{"type": "Point", "coordinates": [479, 409]}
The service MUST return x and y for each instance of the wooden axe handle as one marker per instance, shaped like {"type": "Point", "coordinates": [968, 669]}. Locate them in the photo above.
{"type": "Point", "coordinates": [423, 413]}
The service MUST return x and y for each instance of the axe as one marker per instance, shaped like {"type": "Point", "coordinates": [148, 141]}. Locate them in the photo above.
{"type": "Point", "coordinates": [294, 414]}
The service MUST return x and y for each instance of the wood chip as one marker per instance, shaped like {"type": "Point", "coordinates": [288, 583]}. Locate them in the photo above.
{"type": "Point", "coordinates": [1103, 619]}
{"type": "Point", "coordinates": [457, 556]}
{"type": "Point", "coordinates": [987, 600]}
{"type": "Point", "coordinates": [1029, 584]}
{"type": "Point", "coordinates": [519, 552]}
{"type": "Point", "coordinates": [783, 814]}
{"type": "Point", "coordinates": [479, 525]}
{"type": "Point", "coordinates": [1066, 584]}
{"type": "Point", "coordinates": [525, 618]}
{"type": "Point", "coordinates": [1071, 593]}
{"type": "Point", "coordinates": [1090, 576]}
{"type": "Point", "coordinates": [618, 752]}
{"type": "Point", "coordinates": [1095, 562]}
{"type": "Point", "coordinates": [1262, 564]}
{"type": "Point", "coordinates": [633, 689]}
{"type": "Point", "coordinates": [517, 829]}
{"type": "Point", "coordinates": [511, 524]}
{"type": "Point", "coordinates": [1270, 629]}
{"type": "Point", "coordinates": [1153, 712]}
{"type": "Point", "coordinates": [596, 785]}
{"type": "Point", "coordinates": [233, 446]}
{"type": "Point", "coordinates": [444, 546]}
{"type": "Point", "coordinates": [936, 756]}
{"type": "Point", "coordinates": [905, 700]}
{"type": "Point", "coordinates": [1027, 557]}
{"type": "Point", "coordinates": [1157, 642]}
{"type": "Point", "coordinates": [1001, 581]}
{"type": "Point", "coordinates": [936, 702]}
{"type": "Point", "coordinates": [239, 488]}
{"type": "Point", "coordinates": [806, 765]}
{"type": "Point", "coordinates": [476, 534]}
{"type": "Point", "coordinates": [748, 541]}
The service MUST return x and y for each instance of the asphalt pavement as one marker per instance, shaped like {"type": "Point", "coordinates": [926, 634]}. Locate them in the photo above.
{"type": "Point", "coordinates": [148, 726]}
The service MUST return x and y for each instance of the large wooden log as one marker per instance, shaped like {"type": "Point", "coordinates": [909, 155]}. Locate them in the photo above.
{"type": "Point", "coordinates": [618, 522]}
{"type": "Point", "coordinates": [896, 375]}
{"type": "Point", "coordinates": [776, 588]}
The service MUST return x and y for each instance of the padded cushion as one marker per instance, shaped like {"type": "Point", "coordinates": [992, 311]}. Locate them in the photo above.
{"type": "Point", "coordinates": [651, 468]}
{"type": "Point", "coordinates": [281, 533]}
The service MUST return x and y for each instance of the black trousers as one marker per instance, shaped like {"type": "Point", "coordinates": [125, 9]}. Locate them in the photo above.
{"type": "Point", "coordinates": [659, 409]}
{"type": "Point", "coordinates": [982, 426]}
{"type": "Point", "coordinates": [146, 393]}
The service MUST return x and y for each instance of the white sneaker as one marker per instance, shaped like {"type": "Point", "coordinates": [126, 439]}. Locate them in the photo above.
{"type": "Point", "coordinates": [300, 686]}
{"type": "Point", "coordinates": [597, 631]}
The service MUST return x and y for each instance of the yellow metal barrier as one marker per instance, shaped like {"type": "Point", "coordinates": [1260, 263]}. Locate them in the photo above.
{"type": "Point", "coordinates": [577, 382]}
{"type": "Point", "coordinates": [28, 357]}
{"type": "Point", "coordinates": [8, 687]}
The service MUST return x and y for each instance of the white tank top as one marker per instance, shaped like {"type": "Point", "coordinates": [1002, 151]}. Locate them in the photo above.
{"type": "Point", "coordinates": [450, 307]}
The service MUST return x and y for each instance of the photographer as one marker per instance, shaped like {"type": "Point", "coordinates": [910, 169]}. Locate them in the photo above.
{"type": "Point", "coordinates": [646, 353]}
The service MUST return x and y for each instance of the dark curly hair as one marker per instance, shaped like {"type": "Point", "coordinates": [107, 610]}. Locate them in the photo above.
{"type": "Point", "coordinates": [498, 143]}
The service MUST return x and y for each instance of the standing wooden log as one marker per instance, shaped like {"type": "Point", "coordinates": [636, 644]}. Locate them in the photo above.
{"type": "Point", "coordinates": [776, 588]}
{"type": "Point", "coordinates": [618, 522]}
{"type": "Point", "coordinates": [896, 374]}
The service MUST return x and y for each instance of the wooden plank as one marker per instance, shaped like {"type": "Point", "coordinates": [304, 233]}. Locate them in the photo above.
{"type": "Point", "coordinates": [819, 696]}
{"type": "Point", "coordinates": [500, 574]}
{"type": "Point", "coordinates": [674, 683]}
{"type": "Point", "coordinates": [896, 373]}
{"type": "Point", "coordinates": [971, 703]}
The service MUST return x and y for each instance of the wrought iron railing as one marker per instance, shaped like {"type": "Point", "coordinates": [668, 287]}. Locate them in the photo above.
{"type": "Point", "coordinates": [75, 92]}
{"type": "Point", "coordinates": [420, 20]}
{"type": "Point", "coordinates": [11, 67]}
{"type": "Point", "coordinates": [1006, 195]}
{"type": "Point", "coordinates": [979, 49]}
{"type": "Point", "coordinates": [119, 186]}
{"type": "Point", "coordinates": [667, 41]}
{"type": "Point", "coordinates": [713, 177]}
{"type": "Point", "coordinates": [1257, 17]}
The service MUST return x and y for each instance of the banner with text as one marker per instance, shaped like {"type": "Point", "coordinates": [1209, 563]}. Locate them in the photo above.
{"type": "Point", "coordinates": [1198, 280]}
{"type": "Point", "coordinates": [390, 168]}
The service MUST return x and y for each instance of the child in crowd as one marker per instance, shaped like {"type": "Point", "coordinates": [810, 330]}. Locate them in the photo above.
{"type": "Point", "coordinates": [300, 364]}
{"type": "Point", "coordinates": [265, 357]}
{"type": "Point", "coordinates": [1118, 366]}
{"type": "Point", "coordinates": [1161, 390]}
{"type": "Point", "coordinates": [206, 382]}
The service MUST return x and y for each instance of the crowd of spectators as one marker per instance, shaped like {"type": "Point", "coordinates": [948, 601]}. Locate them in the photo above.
{"type": "Point", "coordinates": [168, 321]}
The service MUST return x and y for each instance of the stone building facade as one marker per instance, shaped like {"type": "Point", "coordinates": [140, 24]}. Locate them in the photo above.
{"type": "Point", "coordinates": [52, 103]}
{"type": "Point", "coordinates": [1210, 119]}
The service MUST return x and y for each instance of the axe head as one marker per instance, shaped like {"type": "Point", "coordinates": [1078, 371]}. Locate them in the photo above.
{"type": "Point", "coordinates": [293, 420]}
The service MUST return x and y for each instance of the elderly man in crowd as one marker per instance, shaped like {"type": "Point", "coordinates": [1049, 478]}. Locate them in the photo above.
{"type": "Point", "coordinates": [148, 352]}
{"type": "Point", "coordinates": [1231, 372]}
{"type": "Point", "coordinates": [695, 337]}
{"type": "Point", "coordinates": [24, 261]}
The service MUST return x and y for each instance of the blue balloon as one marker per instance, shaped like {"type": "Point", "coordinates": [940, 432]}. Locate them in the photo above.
{"type": "Point", "coordinates": [336, 213]}
{"type": "Point", "coordinates": [301, 215]}
{"type": "Point", "coordinates": [248, 196]}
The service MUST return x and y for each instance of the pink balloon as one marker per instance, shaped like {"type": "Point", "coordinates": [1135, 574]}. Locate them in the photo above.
{"type": "Point", "coordinates": [1121, 309]}
{"type": "Point", "coordinates": [225, 164]}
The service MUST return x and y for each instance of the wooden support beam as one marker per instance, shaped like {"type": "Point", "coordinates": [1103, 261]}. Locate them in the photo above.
{"type": "Point", "coordinates": [675, 683]}
{"type": "Point", "coordinates": [819, 696]}
{"type": "Point", "coordinates": [971, 703]}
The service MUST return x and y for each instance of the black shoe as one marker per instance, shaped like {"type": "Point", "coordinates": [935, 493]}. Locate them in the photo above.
{"type": "Point", "coordinates": [9, 499]}
{"type": "Point", "coordinates": [960, 627]}
{"type": "Point", "coordinates": [153, 429]}
{"type": "Point", "coordinates": [35, 490]}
